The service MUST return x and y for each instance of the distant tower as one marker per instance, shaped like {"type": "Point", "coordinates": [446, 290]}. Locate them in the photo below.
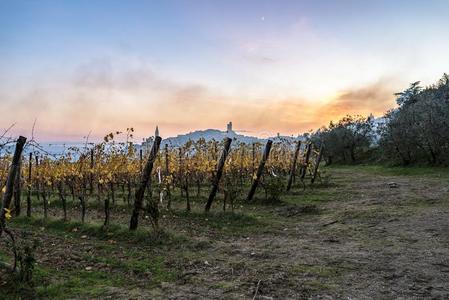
{"type": "Point", "coordinates": [229, 127]}
{"type": "Point", "coordinates": [156, 133]}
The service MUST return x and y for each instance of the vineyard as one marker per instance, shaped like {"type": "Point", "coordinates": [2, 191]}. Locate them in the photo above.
{"type": "Point", "coordinates": [100, 184]}
{"type": "Point", "coordinates": [217, 219]}
{"type": "Point", "coordinates": [104, 174]}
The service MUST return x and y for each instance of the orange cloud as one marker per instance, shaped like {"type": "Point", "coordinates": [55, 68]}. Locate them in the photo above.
{"type": "Point", "coordinates": [375, 98]}
{"type": "Point", "coordinates": [100, 98]}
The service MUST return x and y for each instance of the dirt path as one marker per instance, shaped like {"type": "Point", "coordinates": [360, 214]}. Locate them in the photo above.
{"type": "Point", "coordinates": [358, 239]}
{"type": "Point", "coordinates": [368, 241]}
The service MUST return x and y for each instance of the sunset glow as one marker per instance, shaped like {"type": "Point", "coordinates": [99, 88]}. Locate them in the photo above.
{"type": "Point", "coordinates": [269, 66]}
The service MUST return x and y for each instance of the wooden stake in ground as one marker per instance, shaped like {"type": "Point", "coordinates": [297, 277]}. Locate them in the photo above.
{"type": "Point", "coordinates": [140, 160]}
{"type": "Point", "coordinates": [38, 193]}
{"type": "Point", "coordinates": [253, 159]}
{"type": "Point", "coordinates": [91, 176]}
{"type": "Point", "coordinates": [220, 166]}
{"type": "Point", "coordinates": [293, 167]}
{"type": "Point", "coordinates": [138, 202]}
{"type": "Point", "coordinates": [317, 164]}
{"type": "Point", "coordinates": [18, 190]}
{"type": "Point", "coordinates": [167, 173]}
{"type": "Point", "coordinates": [30, 165]}
{"type": "Point", "coordinates": [306, 161]}
{"type": "Point", "coordinates": [256, 180]}
{"type": "Point", "coordinates": [7, 197]}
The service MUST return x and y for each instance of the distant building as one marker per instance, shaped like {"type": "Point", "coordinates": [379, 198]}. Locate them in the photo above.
{"type": "Point", "coordinates": [213, 134]}
{"type": "Point", "coordinates": [229, 127]}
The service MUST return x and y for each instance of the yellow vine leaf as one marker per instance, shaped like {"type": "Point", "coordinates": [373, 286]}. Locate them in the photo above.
{"type": "Point", "coordinates": [8, 214]}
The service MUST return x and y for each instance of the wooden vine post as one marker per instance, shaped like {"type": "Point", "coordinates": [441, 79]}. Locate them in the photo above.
{"type": "Point", "coordinates": [145, 179]}
{"type": "Point", "coordinates": [256, 180]}
{"type": "Point", "coordinates": [220, 166]}
{"type": "Point", "coordinates": [18, 190]}
{"type": "Point", "coordinates": [306, 161]}
{"type": "Point", "coordinates": [91, 175]}
{"type": "Point", "coordinates": [7, 197]}
{"type": "Point", "coordinates": [317, 164]}
{"type": "Point", "coordinates": [253, 159]}
{"type": "Point", "coordinates": [241, 173]}
{"type": "Point", "coordinates": [293, 167]}
{"type": "Point", "coordinates": [167, 173]}
{"type": "Point", "coordinates": [30, 166]}
{"type": "Point", "coordinates": [38, 192]}
{"type": "Point", "coordinates": [140, 160]}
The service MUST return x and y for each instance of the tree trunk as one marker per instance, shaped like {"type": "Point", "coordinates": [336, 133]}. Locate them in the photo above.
{"type": "Point", "coordinates": [352, 153]}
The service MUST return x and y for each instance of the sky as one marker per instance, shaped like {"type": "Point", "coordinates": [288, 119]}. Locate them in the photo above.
{"type": "Point", "coordinates": [94, 66]}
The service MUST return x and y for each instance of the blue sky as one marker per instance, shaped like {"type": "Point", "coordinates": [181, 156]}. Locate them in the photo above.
{"type": "Point", "coordinates": [269, 66]}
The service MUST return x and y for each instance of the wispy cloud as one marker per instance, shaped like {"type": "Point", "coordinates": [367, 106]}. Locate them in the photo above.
{"type": "Point", "coordinates": [102, 96]}
{"type": "Point", "coordinates": [373, 98]}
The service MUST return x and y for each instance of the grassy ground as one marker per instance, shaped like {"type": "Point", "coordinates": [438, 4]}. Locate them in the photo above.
{"type": "Point", "coordinates": [354, 238]}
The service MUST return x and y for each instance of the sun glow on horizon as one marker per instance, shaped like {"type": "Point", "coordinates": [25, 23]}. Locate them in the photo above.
{"type": "Point", "coordinates": [280, 66]}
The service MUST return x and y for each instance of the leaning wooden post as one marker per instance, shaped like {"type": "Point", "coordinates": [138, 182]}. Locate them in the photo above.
{"type": "Point", "coordinates": [167, 173]}
{"type": "Point", "coordinates": [140, 160]}
{"type": "Point", "coordinates": [38, 192]}
{"type": "Point", "coordinates": [18, 190]}
{"type": "Point", "coordinates": [145, 178]}
{"type": "Point", "coordinates": [293, 167]}
{"type": "Point", "coordinates": [256, 180]}
{"type": "Point", "coordinates": [7, 197]}
{"type": "Point", "coordinates": [220, 166]}
{"type": "Point", "coordinates": [91, 176]}
{"type": "Point", "coordinates": [306, 161]}
{"type": "Point", "coordinates": [242, 157]}
{"type": "Point", "coordinates": [30, 166]}
{"type": "Point", "coordinates": [317, 164]}
{"type": "Point", "coordinates": [253, 159]}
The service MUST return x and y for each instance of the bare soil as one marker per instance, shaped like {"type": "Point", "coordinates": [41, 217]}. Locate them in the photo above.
{"type": "Point", "coordinates": [360, 238]}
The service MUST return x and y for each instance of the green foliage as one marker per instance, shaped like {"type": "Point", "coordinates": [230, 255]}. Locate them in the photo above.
{"type": "Point", "coordinates": [274, 187]}
{"type": "Point", "coordinates": [417, 132]}
{"type": "Point", "coordinates": [326, 178]}
{"type": "Point", "coordinates": [346, 141]}
{"type": "Point", "coordinates": [26, 259]}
